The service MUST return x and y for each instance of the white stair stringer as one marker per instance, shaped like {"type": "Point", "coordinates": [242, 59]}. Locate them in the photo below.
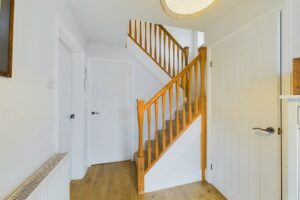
{"type": "Point", "coordinates": [181, 164]}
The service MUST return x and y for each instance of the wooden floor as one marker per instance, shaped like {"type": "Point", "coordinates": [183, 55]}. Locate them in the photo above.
{"type": "Point", "coordinates": [117, 181]}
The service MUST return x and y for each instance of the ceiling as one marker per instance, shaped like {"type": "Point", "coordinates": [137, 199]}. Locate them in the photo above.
{"type": "Point", "coordinates": [106, 21]}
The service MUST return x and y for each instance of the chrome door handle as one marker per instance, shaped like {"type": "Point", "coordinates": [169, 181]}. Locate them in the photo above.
{"type": "Point", "coordinates": [95, 113]}
{"type": "Point", "coordinates": [269, 130]}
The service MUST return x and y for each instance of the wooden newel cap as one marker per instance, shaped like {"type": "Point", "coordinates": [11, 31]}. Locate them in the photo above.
{"type": "Point", "coordinates": [140, 101]}
{"type": "Point", "coordinates": [202, 51]}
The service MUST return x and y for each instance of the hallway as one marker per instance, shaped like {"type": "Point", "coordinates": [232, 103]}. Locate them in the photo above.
{"type": "Point", "coordinates": [117, 181]}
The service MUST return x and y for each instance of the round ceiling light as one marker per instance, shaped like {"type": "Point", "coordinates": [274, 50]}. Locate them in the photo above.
{"type": "Point", "coordinates": [186, 8]}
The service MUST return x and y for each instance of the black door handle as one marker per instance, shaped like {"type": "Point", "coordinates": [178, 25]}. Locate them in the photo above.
{"type": "Point", "coordinates": [269, 130]}
{"type": "Point", "coordinates": [95, 113]}
{"type": "Point", "coordinates": [72, 116]}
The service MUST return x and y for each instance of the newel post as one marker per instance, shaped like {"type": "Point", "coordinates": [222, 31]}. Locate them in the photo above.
{"type": "Point", "coordinates": [203, 100]}
{"type": "Point", "coordinates": [140, 159]}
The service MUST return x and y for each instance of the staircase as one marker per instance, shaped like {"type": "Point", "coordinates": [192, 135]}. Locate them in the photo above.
{"type": "Point", "coordinates": [165, 117]}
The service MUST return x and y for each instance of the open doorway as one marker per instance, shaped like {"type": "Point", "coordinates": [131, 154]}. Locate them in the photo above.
{"type": "Point", "coordinates": [70, 101]}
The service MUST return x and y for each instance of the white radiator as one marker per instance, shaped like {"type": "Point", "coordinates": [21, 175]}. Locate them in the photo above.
{"type": "Point", "coordinates": [50, 182]}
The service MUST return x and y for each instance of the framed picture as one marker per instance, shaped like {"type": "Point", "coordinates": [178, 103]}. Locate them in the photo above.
{"type": "Point", "coordinates": [6, 36]}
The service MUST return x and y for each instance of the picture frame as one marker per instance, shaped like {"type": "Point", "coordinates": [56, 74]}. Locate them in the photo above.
{"type": "Point", "coordinates": [6, 37]}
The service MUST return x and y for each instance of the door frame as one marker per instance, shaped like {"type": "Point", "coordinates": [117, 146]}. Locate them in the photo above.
{"type": "Point", "coordinates": [209, 171]}
{"type": "Point", "coordinates": [62, 34]}
{"type": "Point", "coordinates": [91, 59]}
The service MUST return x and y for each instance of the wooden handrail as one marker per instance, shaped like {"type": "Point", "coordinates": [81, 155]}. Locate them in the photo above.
{"type": "Point", "coordinates": [159, 44]}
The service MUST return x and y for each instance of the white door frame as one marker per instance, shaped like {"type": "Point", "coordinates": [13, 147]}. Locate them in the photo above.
{"type": "Point", "coordinates": [131, 100]}
{"type": "Point", "coordinates": [79, 165]}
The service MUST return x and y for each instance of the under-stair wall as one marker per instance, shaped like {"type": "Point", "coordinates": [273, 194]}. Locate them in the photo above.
{"type": "Point", "coordinates": [180, 165]}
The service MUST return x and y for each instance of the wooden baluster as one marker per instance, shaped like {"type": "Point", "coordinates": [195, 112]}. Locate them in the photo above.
{"type": "Point", "coordinates": [130, 31]}
{"type": "Point", "coordinates": [160, 46]}
{"type": "Point", "coordinates": [178, 62]}
{"type": "Point", "coordinates": [171, 113]}
{"type": "Point", "coordinates": [135, 30]}
{"type": "Point", "coordinates": [177, 108]}
{"type": "Point", "coordinates": [199, 98]}
{"type": "Point", "coordinates": [163, 120]}
{"type": "Point", "coordinates": [184, 96]}
{"type": "Point", "coordinates": [186, 55]}
{"type": "Point", "coordinates": [149, 135]}
{"type": "Point", "coordinates": [165, 63]}
{"type": "Point", "coordinates": [140, 163]}
{"type": "Point", "coordinates": [151, 52]}
{"type": "Point", "coordinates": [190, 73]}
{"type": "Point", "coordinates": [156, 131]}
{"type": "Point", "coordinates": [146, 37]}
{"type": "Point", "coordinates": [141, 40]}
{"type": "Point", "coordinates": [169, 53]}
{"type": "Point", "coordinates": [174, 72]}
{"type": "Point", "coordinates": [196, 88]}
{"type": "Point", "coordinates": [182, 60]}
{"type": "Point", "coordinates": [155, 44]}
{"type": "Point", "coordinates": [203, 52]}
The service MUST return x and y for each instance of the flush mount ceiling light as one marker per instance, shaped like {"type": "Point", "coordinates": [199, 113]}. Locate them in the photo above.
{"type": "Point", "coordinates": [186, 8]}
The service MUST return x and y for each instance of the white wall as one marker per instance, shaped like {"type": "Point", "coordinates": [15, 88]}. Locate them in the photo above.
{"type": "Point", "coordinates": [27, 137]}
{"type": "Point", "coordinates": [295, 28]}
{"type": "Point", "coordinates": [145, 84]}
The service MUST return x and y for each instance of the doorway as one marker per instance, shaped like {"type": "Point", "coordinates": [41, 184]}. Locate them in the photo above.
{"type": "Point", "coordinates": [65, 93]}
{"type": "Point", "coordinates": [70, 100]}
{"type": "Point", "coordinates": [245, 112]}
{"type": "Point", "coordinates": [109, 112]}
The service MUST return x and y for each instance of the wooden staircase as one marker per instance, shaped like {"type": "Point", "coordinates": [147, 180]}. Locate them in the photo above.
{"type": "Point", "coordinates": [165, 117]}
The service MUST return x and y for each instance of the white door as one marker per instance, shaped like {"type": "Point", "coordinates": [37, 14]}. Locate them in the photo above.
{"type": "Point", "coordinates": [65, 98]}
{"type": "Point", "coordinates": [245, 95]}
{"type": "Point", "coordinates": [109, 112]}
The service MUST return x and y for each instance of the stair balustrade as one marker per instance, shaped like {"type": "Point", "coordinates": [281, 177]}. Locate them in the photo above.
{"type": "Point", "coordinates": [159, 44]}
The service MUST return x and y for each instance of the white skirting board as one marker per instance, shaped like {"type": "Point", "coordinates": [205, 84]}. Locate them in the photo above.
{"type": "Point", "coordinates": [181, 164]}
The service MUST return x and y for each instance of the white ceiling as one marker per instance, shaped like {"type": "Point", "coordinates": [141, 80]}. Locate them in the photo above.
{"type": "Point", "coordinates": [106, 21]}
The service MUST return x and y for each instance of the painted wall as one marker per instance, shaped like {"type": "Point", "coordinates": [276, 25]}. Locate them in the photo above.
{"type": "Point", "coordinates": [145, 84]}
{"type": "Point", "coordinates": [27, 136]}
{"type": "Point", "coordinates": [295, 28]}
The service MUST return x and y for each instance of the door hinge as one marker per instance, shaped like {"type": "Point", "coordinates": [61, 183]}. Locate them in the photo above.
{"type": "Point", "coordinates": [211, 64]}
{"type": "Point", "coordinates": [279, 131]}
{"type": "Point", "coordinates": [211, 167]}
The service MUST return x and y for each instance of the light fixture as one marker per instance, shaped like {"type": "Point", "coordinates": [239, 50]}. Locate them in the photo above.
{"type": "Point", "coordinates": [186, 8]}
